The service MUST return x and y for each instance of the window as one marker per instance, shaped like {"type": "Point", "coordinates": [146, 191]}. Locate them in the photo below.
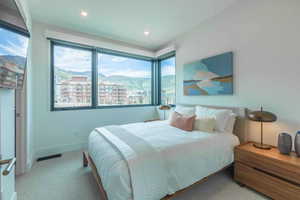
{"type": "Point", "coordinates": [123, 80]}
{"type": "Point", "coordinates": [72, 77]}
{"type": "Point", "coordinates": [168, 80]}
{"type": "Point", "coordinates": [84, 77]}
{"type": "Point", "coordinates": [13, 54]}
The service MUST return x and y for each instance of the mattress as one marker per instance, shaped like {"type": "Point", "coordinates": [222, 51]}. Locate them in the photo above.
{"type": "Point", "coordinates": [191, 156]}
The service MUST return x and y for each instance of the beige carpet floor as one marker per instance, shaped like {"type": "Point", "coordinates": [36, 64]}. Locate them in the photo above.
{"type": "Point", "coordinates": [65, 179]}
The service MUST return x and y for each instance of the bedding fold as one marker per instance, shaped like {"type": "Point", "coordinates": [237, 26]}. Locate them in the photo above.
{"type": "Point", "coordinates": [147, 169]}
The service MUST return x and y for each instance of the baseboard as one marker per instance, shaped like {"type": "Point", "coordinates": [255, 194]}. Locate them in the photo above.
{"type": "Point", "coordinates": [48, 157]}
{"type": "Point", "coordinates": [30, 162]}
{"type": "Point", "coordinates": [43, 152]}
{"type": "Point", "coordinates": [14, 196]}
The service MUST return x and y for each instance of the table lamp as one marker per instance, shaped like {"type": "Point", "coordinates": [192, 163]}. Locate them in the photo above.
{"type": "Point", "coordinates": [262, 116]}
{"type": "Point", "coordinates": [164, 108]}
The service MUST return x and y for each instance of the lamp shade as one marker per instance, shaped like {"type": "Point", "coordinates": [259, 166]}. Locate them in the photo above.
{"type": "Point", "coordinates": [262, 116]}
{"type": "Point", "coordinates": [164, 107]}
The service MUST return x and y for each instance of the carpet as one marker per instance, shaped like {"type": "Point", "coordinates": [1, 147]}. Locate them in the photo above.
{"type": "Point", "coordinates": [64, 178]}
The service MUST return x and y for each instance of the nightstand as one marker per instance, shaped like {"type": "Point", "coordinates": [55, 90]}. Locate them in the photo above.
{"type": "Point", "coordinates": [268, 171]}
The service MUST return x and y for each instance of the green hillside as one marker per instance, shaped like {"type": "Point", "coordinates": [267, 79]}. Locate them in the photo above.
{"type": "Point", "coordinates": [133, 83]}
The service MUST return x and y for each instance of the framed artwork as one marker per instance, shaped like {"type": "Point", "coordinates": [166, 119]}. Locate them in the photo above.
{"type": "Point", "coordinates": [209, 76]}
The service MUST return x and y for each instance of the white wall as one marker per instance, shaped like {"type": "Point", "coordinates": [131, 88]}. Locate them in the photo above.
{"type": "Point", "coordinates": [60, 131]}
{"type": "Point", "coordinates": [264, 36]}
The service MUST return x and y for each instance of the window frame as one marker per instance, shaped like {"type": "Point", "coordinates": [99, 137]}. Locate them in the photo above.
{"type": "Point", "coordinates": [159, 60]}
{"type": "Point", "coordinates": [125, 55]}
{"type": "Point", "coordinates": [94, 70]}
{"type": "Point", "coordinates": [14, 28]}
{"type": "Point", "coordinates": [54, 43]}
{"type": "Point", "coordinates": [22, 32]}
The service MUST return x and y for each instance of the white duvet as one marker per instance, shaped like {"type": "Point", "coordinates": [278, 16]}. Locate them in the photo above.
{"type": "Point", "coordinates": [190, 156]}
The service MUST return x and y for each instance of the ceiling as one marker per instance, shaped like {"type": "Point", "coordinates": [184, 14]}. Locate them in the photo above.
{"type": "Point", "coordinates": [127, 20]}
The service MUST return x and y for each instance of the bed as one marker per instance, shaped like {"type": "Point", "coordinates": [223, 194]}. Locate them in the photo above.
{"type": "Point", "coordinates": [174, 161]}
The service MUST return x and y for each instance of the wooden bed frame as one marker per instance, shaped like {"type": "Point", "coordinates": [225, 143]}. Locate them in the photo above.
{"type": "Point", "coordinates": [88, 161]}
{"type": "Point", "coordinates": [240, 130]}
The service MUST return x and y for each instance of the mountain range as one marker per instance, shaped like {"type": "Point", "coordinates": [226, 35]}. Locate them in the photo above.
{"type": "Point", "coordinates": [132, 83]}
{"type": "Point", "coordinates": [18, 60]}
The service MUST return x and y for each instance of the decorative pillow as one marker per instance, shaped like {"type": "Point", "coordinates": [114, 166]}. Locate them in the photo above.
{"type": "Point", "coordinates": [205, 124]}
{"type": "Point", "coordinates": [185, 123]}
{"type": "Point", "coordinates": [183, 110]}
{"type": "Point", "coordinates": [230, 123]}
{"type": "Point", "coordinates": [221, 116]}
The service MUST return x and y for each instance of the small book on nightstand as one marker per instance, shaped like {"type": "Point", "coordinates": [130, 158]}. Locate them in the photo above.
{"type": "Point", "coordinates": [267, 171]}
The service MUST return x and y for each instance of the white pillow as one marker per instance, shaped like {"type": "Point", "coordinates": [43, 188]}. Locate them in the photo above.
{"type": "Point", "coordinates": [221, 116]}
{"type": "Point", "coordinates": [185, 110]}
{"type": "Point", "coordinates": [231, 122]}
{"type": "Point", "coordinates": [205, 124]}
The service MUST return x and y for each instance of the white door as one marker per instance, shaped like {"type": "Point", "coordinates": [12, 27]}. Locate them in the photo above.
{"type": "Point", "coordinates": [21, 150]}
{"type": "Point", "coordinates": [7, 143]}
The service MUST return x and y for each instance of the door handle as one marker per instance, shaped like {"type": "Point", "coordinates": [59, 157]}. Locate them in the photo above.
{"type": "Point", "coordinates": [10, 163]}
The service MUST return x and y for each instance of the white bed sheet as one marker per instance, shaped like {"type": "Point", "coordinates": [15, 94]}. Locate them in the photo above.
{"type": "Point", "coordinates": [191, 156]}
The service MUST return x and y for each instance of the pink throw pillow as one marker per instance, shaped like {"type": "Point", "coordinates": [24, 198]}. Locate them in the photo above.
{"type": "Point", "coordinates": [185, 123]}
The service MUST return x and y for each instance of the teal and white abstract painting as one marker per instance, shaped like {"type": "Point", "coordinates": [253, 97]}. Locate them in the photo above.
{"type": "Point", "coordinates": [209, 76]}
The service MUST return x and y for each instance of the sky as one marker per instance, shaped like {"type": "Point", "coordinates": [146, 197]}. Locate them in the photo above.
{"type": "Point", "coordinates": [168, 67]}
{"type": "Point", "coordinates": [80, 61]}
{"type": "Point", "coordinates": [114, 65]}
{"type": "Point", "coordinates": [12, 43]}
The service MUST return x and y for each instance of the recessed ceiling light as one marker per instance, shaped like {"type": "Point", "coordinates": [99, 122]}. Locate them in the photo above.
{"type": "Point", "coordinates": [146, 33]}
{"type": "Point", "coordinates": [83, 13]}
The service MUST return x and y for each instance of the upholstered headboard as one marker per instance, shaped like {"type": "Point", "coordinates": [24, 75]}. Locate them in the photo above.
{"type": "Point", "coordinates": [241, 125]}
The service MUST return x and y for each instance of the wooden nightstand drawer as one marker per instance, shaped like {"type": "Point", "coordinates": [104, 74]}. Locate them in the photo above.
{"type": "Point", "coordinates": [269, 164]}
{"type": "Point", "coordinates": [273, 187]}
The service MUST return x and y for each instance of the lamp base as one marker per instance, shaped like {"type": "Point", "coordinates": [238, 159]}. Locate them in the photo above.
{"type": "Point", "coordinates": [262, 146]}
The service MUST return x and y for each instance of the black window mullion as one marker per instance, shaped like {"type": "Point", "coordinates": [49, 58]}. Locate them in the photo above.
{"type": "Point", "coordinates": [159, 82]}
{"type": "Point", "coordinates": [52, 92]}
{"type": "Point", "coordinates": [94, 96]}
{"type": "Point", "coordinates": [153, 101]}
{"type": "Point", "coordinates": [155, 83]}
{"type": "Point", "coordinates": [98, 66]}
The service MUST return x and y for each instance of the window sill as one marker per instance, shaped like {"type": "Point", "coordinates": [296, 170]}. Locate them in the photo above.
{"type": "Point", "coordinates": [99, 107]}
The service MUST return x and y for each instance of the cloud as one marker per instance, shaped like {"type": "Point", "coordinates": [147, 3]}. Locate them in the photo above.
{"type": "Point", "coordinates": [72, 59]}
{"type": "Point", "coordinates": [111, 71]}
{"type": "Point", "coordinates": [18, 47]}
{"type": "Point", "coordinates": [80, 61]}
{"type": "Point", "coordinates": [168, 70]}
{"type": "Point", "coordinates": [118, 59]}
